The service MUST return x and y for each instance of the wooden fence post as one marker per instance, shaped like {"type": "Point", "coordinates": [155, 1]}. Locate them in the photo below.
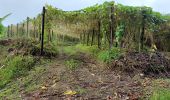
{"type": "Point", "coordinates": [28, 27]}
{"type": "Point", "coordinates": [8, 31]}
{"type": "Point", "coordinates": [92, 40]}
{"type": "Point", "coordinates": [17, 29]}
{"type": "Point", "coordinates": [35, 35]}
{"type": "Point", "coordinates": [23, 30]}
{"type": "Point", "coordinates": [11, 30]}
{"type": "Point", "coordinates": [42, 34]}
{"type": "Point", "coordinates": [98, 35]}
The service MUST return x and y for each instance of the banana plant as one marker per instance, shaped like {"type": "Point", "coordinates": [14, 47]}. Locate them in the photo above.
{"type": "Point", "coordinates": [1, 19]}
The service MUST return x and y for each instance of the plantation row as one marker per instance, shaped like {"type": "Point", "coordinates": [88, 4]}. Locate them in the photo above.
{"type": "Point", "coordinates": [105, 25]}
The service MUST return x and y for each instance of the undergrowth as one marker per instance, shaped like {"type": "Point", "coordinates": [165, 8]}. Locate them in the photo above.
{"type": "Point", "coordinates": [108, 55]}
{"type": "Point", "coordinates": [15, 67]}
{"type": "Point", "coordinates": [92, 50]}
{"type": "Point", "coordinates": [72, 64]}
{"type": "Point", "coordinates": [102, 55]}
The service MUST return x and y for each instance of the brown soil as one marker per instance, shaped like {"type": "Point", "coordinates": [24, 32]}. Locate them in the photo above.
{"type": "Point", "coordinates": [90, 81]}
{"type": "Point", "coordinates": [152, 65]}
{"type": "Point", "coordinates": [5, 42]}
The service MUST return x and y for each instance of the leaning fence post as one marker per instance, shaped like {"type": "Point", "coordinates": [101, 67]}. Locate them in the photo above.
{"type": "Point", "coordinates": [42, 34]}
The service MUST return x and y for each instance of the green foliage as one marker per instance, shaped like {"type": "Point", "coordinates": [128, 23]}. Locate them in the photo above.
{"type": "Point", "coordinates": [161, 94]}
{"type": "Point", "coordinates": [1, 26]}
{"type": "Point", "coordinates": [81, 90]}
{"type": "Point", "coordinates": [50, 49]}
{"type": "Point", "coordinates": [109, 55]}
{"type": "Point", "coordinates": [70, 50]}
{"type": "Point", "coordinates": [72, 64]}
{"type": "Point", "coordinates": [93, 50]}
{"type": "Point", "coordinates": [119, 33]}
{"type": "Point", "coordinates": [15, 67]}
{"type": "Point", "coordinates": [127, 21]}
{"type": "Point", "coordinates": [103, 55]}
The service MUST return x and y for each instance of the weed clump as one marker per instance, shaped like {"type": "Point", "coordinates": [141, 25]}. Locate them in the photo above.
{"type": "Point", "coordinates": [109, 55]}
{"type": "Point", "coordinates": [93, 50]}
{"type": "Point", "coordinates": [72, 64]}
{"type": "Point", "coordinates": [15, 67]}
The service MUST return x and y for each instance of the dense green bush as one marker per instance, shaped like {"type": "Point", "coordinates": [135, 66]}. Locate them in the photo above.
{"type": "Point", "coordinates": [108, 55]}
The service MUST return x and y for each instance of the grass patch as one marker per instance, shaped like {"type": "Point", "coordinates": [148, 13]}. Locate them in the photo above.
{"type": "Point", "coordinates": [102, 55]}
{"type": "Point", "coordinates": [72, 64]}
{"type": "Point", "coordinates": [92, 50]}
{"type": "Point", "coordinates": [15, 67]}
{"type": "Point", "coordinates": [161, 94]}
{"type": "Point", "coordinates": [70, 50]}
{"type": "Point", "coordinates": [81, 90]}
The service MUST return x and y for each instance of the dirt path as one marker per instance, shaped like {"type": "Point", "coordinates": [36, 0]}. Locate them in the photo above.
{"type": "Point", "coordinates": [90, 81]}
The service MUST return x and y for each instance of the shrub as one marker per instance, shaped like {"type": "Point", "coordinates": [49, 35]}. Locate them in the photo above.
{"type": "Point", "coordinates": [109, 55]}
{"type": "Point", "coordinates": [72, 64]}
